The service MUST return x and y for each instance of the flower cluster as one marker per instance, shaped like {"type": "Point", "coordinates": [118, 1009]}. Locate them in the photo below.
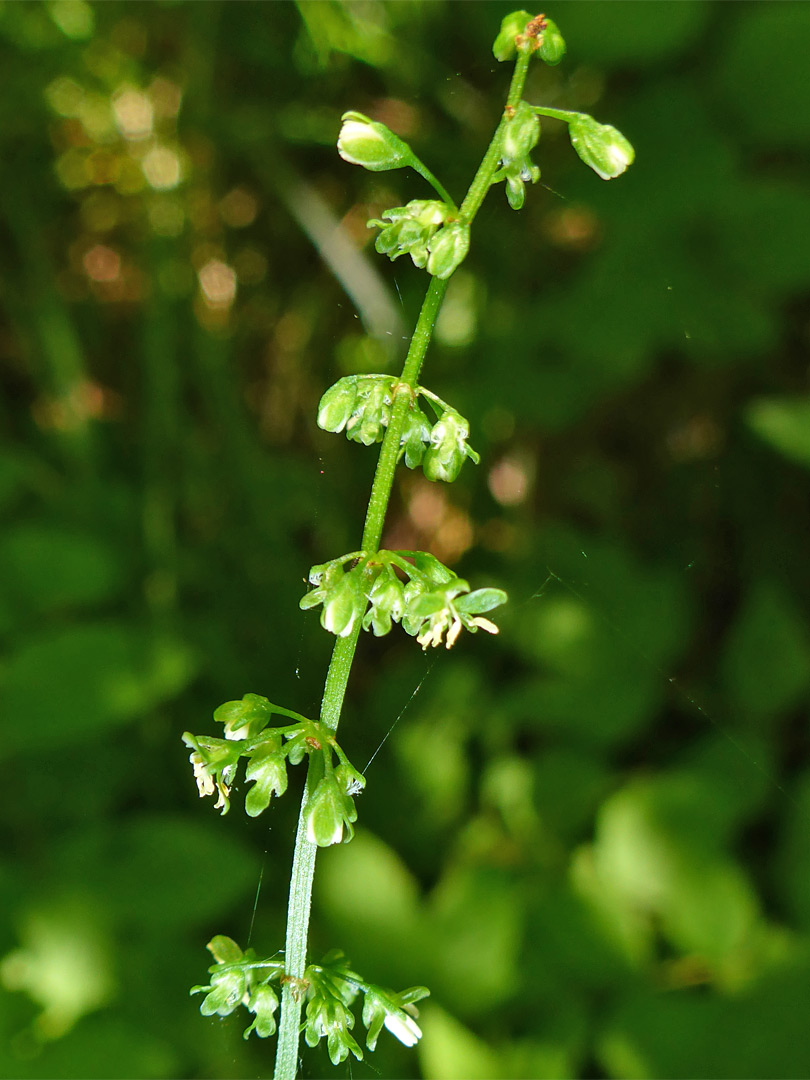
{"type": "Point", "coordinates": [521, 131]}
{"type": "Point", "coordinates": [428, 231]}
{"type": "Point", "coordinates": [361, 405]}
{"type": "Point", "coordinates": [330, 809]}
{"type": "Point", "coordinates": [538, 34]}
{"type": "Point", "coordinates": [431, 603]}
{"type": "Point", "coordinates": [407, 230]}
{"type": "Point", "coordinates": [331, 987]}
{"type": "Point", "coordinates": [240, 978]}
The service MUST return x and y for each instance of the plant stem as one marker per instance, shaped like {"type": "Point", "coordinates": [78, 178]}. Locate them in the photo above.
{"type": "Point", "coordinates": [303, 869]}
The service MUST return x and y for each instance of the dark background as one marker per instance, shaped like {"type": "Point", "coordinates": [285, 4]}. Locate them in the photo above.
{"type": "Point", "coordinates": [589, 836]}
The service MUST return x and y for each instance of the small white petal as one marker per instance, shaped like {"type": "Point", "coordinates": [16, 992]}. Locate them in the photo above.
{"type": "Point", "coordinates": [403, 1028]}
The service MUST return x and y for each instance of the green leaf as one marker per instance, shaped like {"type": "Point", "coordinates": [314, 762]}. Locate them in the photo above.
{"type": "Point", "coordinates": [44, 566]}
{"type": "Point", "coordinates": [74, 683]}
{"type": "Point", "coordinates": [766, 662]}
{"type": "Point", "coordinates": [784, 423]}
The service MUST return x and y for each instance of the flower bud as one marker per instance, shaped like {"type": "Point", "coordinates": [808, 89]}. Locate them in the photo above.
{"type": "Point", "coordinates": [349, 780]}
{"type": "Point", "coordinates": [371, 144]}
{"type": "Point", "coordinates": [386, 597]}
{"type": "Point", "coordinates": [246, 718]}
{"type": "Point", "coordinates": [448, 448]}
{"type": "Point", "coordinates": [600, 146]}
{"type": "Point", "coordinates": [226, 992]}
{"type": "Point", "coordinates": [328, 811]}
{"type": "Point", "coordinates": [504, 47]}
{"type": "Point", "coordinates": [448, 248]}
{"type": "Point", "coordinates": [521, 132]}
{"type": "Point", "coordinates": [337, 404]}
{"type": "Point", "coordinates": [263, 1003]}
{"type": "Point", "coordinates": [372, 411]}
{"type": "Point", "coordinates": [552, 49]}
{"type": "Point", "coordinates": [224, 949]}
{"type": "Point", "coordinates": [407, 229]}
{"type": "Point", "coordinates": [415, 436]}
{"type": "Point", "coordinates": [343, 606]}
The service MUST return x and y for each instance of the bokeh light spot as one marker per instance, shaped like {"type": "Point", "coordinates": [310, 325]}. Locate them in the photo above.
{"type": "Point", "coordinates": [102, 264]}
{"type": "Point", "coordinates": [133, 113]}
{"type": "Point", "coordinates": [218, 283]}
{"type": "Point", "coordinates": [162, 169]}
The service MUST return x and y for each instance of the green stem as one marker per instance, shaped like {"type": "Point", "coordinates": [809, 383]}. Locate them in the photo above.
{"type": "Point", "coordinates": [488, 167]}
{"type": "Point", "coordinates": [557, 114]}
{"type": "Point", "coordinates": [303, 869]}
{"type": "Point", "coordinates": [426, 174]}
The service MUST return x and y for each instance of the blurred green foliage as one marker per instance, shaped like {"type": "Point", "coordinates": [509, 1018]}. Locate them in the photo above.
{"type": "Point", "coordinates": [591, 836]}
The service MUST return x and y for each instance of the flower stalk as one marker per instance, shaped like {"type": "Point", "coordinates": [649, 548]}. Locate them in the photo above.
{"type": "Point", "coordinates": [371, 588]}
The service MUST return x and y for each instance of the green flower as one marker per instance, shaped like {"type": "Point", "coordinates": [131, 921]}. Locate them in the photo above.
{"type": "Point", "coordinates": [520, 134]}
{"type": "Point", "coordinates": [512, 25]}
{"type": "Point", "coordinates": [406, 230]}
{"type": "Point", "coordinates": [448, 248]}
{"type": "Point", "coordinates": [448, 448]}
{"type": "Point", "coordinates": [439, 614]}
{"type": "Point", "coordinates": [225, 992]}
{"type": "Point", "coordinates": [263, 1003]}
{"type": "Point", "coordinates": [395, 1011]}
{"type": "Point", "coordinates": [330, 810]}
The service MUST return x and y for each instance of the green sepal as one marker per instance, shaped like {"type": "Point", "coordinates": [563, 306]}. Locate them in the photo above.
{"type": "Point", "coordinates": [225, 992]}
{"type": "Point", "coordinates": [520, 134]}
{"type": "Point", "coordinates": [415, 437]}
{"type": "Point", "coordinates": [330, 813]}
{"type": "Point", "coordinates": [481, 600]}
{"type": "Point", "coordinates": [504, 47]}
{"type": "Point", "coordinates": [224, 949]}
{"type": "Point", "coordinates": [267, 767]}
{"type": "Point", "coordinates": [448, 448]}
{"type": "Point", "coordinates": [337, 404]}
{"type": "Point", "coordinates": [406, 230]}
{"type": "Point", "coordinates": [394, 1011]}
{"type": "Point", "coordinates": [372, 410]}
{"type": "Point", "coordinates": [552, 48]}
{"type": "Point", "coordinates": [263, 1003]}
{"type": "Point", "coordinates": [344, 605]}
{"type": "Point", "coordinates": [246, 718]}
{"type": "Point", "coordinates": [448, 248]}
